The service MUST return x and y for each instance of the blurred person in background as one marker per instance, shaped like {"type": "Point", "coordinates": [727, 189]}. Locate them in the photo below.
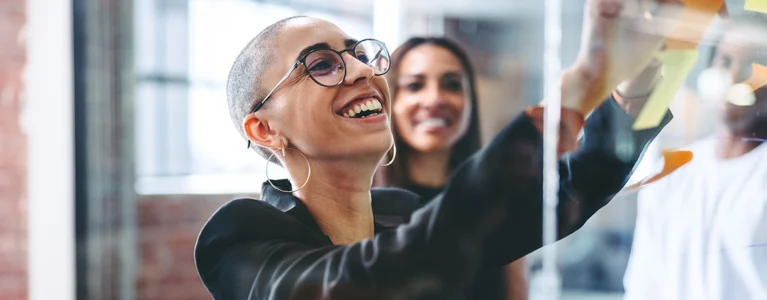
{"type": "Point", "coordinates": [297, 93]}
{"type": "Point", "coordinates": [436, 126]}
{"type": "Point", "coordinates": [701, 232]}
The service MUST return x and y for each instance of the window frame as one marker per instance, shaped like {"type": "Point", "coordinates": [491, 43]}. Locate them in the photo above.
{"type": "Point", "coordinates": [166, 81]}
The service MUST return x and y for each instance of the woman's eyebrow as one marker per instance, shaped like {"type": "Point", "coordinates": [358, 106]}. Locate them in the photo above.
{"type": "Point", "coordinates": [317, 46]}
{"type": "Point", "coordinates": [348, 43]}
{"type": "Point", "coordinates": [453, 74]}
{"type": "Point", "coordinates": [412, 76]}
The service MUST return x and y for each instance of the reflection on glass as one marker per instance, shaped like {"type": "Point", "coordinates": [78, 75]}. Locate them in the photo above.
{"type": "Point", "coordinates": [700, 231]}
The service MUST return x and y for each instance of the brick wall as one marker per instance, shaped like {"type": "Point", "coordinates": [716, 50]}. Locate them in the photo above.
{"type": "Point", "coordinates": [13, 168]}
{"type": "Point", "coordinates": [168, 228]}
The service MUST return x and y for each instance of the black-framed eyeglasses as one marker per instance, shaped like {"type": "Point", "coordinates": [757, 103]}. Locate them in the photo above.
{"type": "Point", "coordinates": [328, 68]}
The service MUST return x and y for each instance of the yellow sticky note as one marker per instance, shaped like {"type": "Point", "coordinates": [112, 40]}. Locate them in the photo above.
{"type": "Point", "coordinates": [676, 63]}
{"type": "Point", "coordinates": [757, 5]}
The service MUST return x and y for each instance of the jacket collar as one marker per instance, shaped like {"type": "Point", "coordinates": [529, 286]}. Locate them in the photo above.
{"type": "Point", "coordinates": [391, 206]}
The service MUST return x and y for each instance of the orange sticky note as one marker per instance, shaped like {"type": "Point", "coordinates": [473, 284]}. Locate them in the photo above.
{"type": "Point", "coordinates": [756, 5]}
{"type": "Point", "coordinates": [758, 75]}
{"type": "Point", "coordinates": [696, 16]}
{"type": "Point", "coordinates": [677, 63]}
{"type": "Point", "coordinates": [672, 161]}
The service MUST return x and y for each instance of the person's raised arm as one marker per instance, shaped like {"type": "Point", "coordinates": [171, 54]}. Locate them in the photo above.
{"type": "Point", "coordinates": [611, 52]}
{"type": "Point", "coordinates": [241, 253]}
{"type": "Point", "coordinates": [489, 213]}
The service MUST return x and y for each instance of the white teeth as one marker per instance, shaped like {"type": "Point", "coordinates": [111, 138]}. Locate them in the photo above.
{"type": "Point", "coordinates": [372, 105]}
{"type": "Point", "coordinates": [434, 122]}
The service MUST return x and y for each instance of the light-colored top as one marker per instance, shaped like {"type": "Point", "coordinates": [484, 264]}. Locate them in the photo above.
{"type": "Point", "coordinates": [701, 232]}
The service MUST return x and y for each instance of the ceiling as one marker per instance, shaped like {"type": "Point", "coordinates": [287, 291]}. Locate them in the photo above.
{"type": "Point", "coordinates": [484, 9]}
{"type": "Point", "coordinates": [479, 9]}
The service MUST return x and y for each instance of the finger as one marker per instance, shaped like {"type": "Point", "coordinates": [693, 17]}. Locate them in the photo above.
{"type": "Point", "coordinates": [610, 8]}
{"type": "Point", "coordinates": [669, 1]}
{"type": "Point", "coordinates": [723, 11]}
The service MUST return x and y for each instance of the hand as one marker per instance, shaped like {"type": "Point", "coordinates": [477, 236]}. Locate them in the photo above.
{"type": "Point", "coordinates": [620, 38]}
{"type": "Point", "coordinates": [643, 84]}
{"type": "Point", "coordinates": [633, 94]}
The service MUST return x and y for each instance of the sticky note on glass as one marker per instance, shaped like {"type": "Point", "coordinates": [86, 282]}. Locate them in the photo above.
{"type": "Point", "coordinates": [676, 65]}
{"type": "Point", "coordinates": [758, 75]}
{"type": "Point", "coordinates": [757, 5]}
{"type": "Point", "coordinates": [672, 161]}
{"type": "Point", "coordinates": [692, 23]}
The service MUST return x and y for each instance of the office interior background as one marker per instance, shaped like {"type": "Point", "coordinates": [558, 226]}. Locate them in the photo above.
{"type": "Point", "coordinates": [116, 144]}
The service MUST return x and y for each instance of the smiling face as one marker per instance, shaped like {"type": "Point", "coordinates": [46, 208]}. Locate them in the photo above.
{"type": "Point", "coordinates": [432, 110]}
{"type": "Point", "coordinates": [315, 119]}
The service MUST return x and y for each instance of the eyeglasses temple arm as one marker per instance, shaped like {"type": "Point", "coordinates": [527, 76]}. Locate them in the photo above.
{"type": "Point", "coordinates": [261, 104]}
{"type": "Point", "coordinates": [378, 54]}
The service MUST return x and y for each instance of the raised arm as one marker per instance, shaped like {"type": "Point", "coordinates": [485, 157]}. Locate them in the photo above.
{"type": "Point", "coordinates": [241, 253]}
{"type": "Point", "coordinates": [489, 214]}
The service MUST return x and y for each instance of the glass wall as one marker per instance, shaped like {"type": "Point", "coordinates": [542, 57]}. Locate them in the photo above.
{"type": "Point", "coordinates": [184, 50]}
{"type": "Point", "coordinates": [159, 153]}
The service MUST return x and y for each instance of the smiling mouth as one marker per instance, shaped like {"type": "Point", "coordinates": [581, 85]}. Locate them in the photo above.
{"type": "Point", "coordinates": [362, 109]}
{"type": "Point", "coordinates": [434, 123]}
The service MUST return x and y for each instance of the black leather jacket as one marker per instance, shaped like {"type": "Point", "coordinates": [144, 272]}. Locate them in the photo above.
{"type": "Point", "coordinates": [489, 214]}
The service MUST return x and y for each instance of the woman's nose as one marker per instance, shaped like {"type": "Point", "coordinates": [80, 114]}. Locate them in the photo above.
{"type": "Point", "coordinates": [356, 70]}
{"type": "Point", "coordinates": [434, 97]}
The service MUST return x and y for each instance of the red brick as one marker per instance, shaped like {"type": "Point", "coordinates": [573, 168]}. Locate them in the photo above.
{"type": "Point", "coordinates": [13, 149]}
{"type": "Point", "coordinates": [169, 226]}
{"type": "Point", "coordinates": [13, 256]}
{"type": "Point", "coordinates": [15, 294]}
{"type": "Point", "coordinates": [181, 210]}
{"type": "Point", "coordinates": [13, 286]}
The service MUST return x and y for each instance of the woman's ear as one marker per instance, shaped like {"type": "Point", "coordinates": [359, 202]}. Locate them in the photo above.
{"type": "Point", "coordinates": [258, 131]}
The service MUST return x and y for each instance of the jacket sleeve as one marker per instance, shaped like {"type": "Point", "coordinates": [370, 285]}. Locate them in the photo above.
{"type": "Point", "coordinates": [489, 213]}
{"type": "Point", "coordinates": [589, 178]}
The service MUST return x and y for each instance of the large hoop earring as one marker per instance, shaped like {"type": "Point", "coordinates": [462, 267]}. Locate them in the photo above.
{"type": "Point", "coordinates": [394, 154]}
{"type": "Point", "coordinates": [308, 166]}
